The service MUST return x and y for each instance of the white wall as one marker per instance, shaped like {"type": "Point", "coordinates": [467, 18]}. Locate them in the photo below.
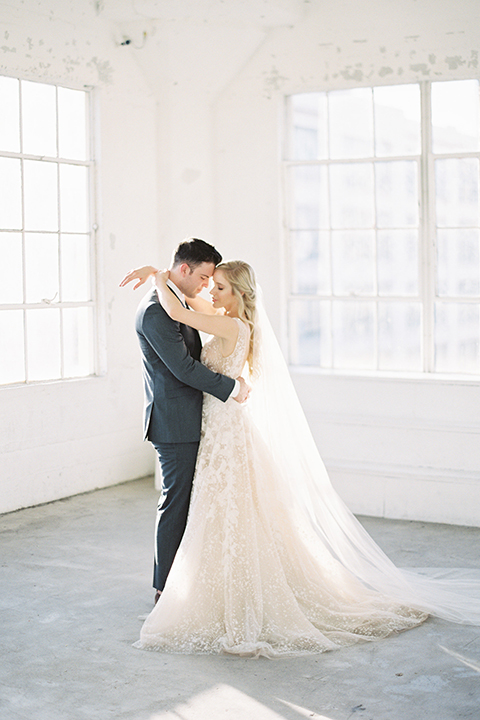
{"type": "Point", "coordinates": [403, 448]}
{"type": "Point", "coordinates": [394, 447]}
{"type": "Point", "coordinates": [61, 438]}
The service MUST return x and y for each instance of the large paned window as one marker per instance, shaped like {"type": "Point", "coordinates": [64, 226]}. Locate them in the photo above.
{"type": "Point", "coordinates": [382, 191]}
{"type": "Point", "coordinates": [46, 290]}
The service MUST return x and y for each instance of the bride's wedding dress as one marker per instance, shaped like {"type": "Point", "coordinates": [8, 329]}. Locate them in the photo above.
{"type": "Point", "coordinates": [258, 572]}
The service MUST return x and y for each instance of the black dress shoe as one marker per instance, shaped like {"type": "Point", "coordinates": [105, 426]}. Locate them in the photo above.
{"type": "Point", "coordinates": [157, 596]}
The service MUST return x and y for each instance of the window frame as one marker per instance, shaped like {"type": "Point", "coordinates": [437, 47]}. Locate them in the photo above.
{"type": "Point", "coordinates": [427, 260]}
{"type": "Point", "coordinates": [91, 164]}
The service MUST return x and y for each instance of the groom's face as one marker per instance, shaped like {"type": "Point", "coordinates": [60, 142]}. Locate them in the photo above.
{"type": "Point", "coordinates": [195, 279]}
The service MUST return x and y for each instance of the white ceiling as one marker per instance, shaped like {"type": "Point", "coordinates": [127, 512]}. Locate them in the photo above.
{"type": "Point", "coordinates": [261, 13]}
{"type": "Point", "coordinates": [199, 44]}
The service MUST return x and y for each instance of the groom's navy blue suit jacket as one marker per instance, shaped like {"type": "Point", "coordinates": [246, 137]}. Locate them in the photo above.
{"type": "Point", "coordinates": [174, 379]}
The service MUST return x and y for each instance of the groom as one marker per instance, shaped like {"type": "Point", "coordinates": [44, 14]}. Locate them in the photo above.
{"type": "Point", "coordinates": [174, 381]}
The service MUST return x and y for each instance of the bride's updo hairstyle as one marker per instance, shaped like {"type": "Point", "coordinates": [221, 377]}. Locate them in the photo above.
{"type": "Point", "coordinates": [244, 287]}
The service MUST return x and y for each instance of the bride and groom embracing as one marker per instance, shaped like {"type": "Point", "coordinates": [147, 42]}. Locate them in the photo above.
{"type": "Point", "coordinates": [270, 561]}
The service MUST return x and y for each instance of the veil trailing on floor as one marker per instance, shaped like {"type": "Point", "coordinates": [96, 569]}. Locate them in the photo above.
{"type": "Point", "coordinates": [304, 484]}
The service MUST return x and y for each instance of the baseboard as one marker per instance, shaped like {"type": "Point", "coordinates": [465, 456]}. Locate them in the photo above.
{"type": "Point", "coordinates": [408, 493]}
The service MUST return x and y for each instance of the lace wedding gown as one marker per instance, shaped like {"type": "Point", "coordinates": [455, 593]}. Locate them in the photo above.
{"type": "Point", "coordinates": [251, 577]}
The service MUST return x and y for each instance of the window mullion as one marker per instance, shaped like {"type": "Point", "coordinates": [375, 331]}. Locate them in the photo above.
{"type": "Point", "coordinates": [330, 240]}
{"type": "Point", "coordinates": [287, 230]}
{"type": "Point", "coordinates": [90, 110]}
{"type": "Point", "coordinates": [24, 272]}
{"type": "Point", "coordinates": [427, 231]}
{"type": "Point", "coordinates": [59, 246]}
{"type": "Point", "coordinates": [286, 262]}
{"type": "Point", "coordinates": [22, 190]}
{"type": "Point", "coordinates": [376, 316]}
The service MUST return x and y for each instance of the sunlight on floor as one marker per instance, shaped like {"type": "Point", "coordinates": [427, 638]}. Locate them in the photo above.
{"type": "Point", "coordinates": [474, 664]}
{"type": "Point", "coordinates": [223, 699]}
{"type": "Point", "coordinates": [304, 712]}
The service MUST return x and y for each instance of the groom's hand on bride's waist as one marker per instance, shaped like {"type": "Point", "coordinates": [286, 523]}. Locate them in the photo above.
{"type": "Point", "coordinates": [243, 392]}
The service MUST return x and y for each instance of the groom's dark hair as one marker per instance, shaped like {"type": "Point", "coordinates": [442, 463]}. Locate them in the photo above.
{"type": "Point", "coordinates": [194, 252]}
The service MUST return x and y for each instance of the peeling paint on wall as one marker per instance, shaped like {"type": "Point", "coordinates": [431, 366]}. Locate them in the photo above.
{"type": "Point", "coordinates": [71, 63]}
{"type": "Point", "coordinates": [455, 62]}
{"type": "Point", "coordinates": [274, 82]}
{"type": "Point", "coordinates": [349, 74]}
{"type": "Point", "coordinates": [422, 64]}
{"type": "Point", "coordinates": [420, 68]}
{"type": "Point", "coordinates": [104, 70]}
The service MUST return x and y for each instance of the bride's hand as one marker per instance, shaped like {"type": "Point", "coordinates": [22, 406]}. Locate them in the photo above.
{"type": "Point", "coordinates": [161, 276]}
{"type": "Point", "coordinates": [141, 274]}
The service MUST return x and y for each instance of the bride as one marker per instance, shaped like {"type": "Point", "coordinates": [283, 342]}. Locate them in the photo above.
{"type": "Point", "coordinates": [272, 563]}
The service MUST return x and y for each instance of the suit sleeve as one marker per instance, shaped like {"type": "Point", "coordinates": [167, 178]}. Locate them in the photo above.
{"type": "Point", "coordinates": [164, 336]}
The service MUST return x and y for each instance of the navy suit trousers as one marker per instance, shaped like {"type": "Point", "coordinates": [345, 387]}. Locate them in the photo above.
{"type": "Point", "coordinates": [177, 461]}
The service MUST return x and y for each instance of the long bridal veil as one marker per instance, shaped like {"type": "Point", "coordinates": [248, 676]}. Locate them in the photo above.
{"type": "Point", "coordinates": [304, 484]}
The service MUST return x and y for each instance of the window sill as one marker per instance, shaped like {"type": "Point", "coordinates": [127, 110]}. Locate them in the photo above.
{"type": "Point", "coordinates": [387, 376]}
{"type": "Point", "coordinates": [56, 381]}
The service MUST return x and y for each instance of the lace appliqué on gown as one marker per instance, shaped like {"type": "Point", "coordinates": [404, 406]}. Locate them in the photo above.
{"type": "Point", "coordinates": [250, 578]}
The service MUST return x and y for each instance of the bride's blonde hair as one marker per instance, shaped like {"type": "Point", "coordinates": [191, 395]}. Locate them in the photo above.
{"type": "Point", "coordinates": [244, 287]}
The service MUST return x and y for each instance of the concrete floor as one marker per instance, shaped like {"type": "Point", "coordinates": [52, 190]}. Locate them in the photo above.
{"type": "Point", "coordinates": [75, 576]}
